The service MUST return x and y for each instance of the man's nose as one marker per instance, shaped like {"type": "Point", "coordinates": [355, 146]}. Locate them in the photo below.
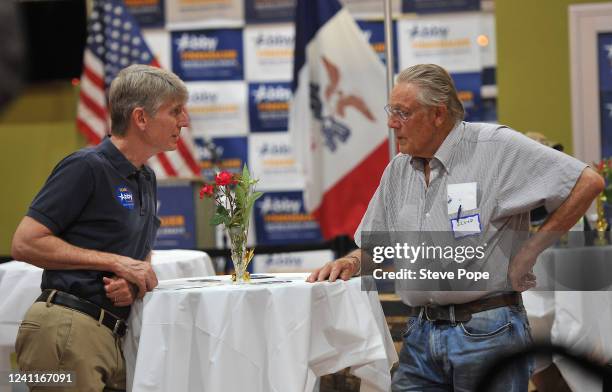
{"type": "Point", "coordinates": [184, 119]}
{"type": "Point", "coordinates": [393, 122]}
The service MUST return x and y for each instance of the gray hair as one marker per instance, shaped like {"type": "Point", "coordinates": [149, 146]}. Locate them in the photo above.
{"type": "Point", "coordinates": [436, 88]}
{"type": "Point", "coordinates": [141, 86]}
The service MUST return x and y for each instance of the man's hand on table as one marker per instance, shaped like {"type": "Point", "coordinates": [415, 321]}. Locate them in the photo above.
{"type": "Point", "coordinates": [343, 268]}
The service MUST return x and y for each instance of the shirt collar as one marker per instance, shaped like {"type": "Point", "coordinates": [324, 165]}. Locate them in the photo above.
{"type": "Point", "coordinates": [445, 152]}
{"type": "Point", "coordinates": [447, 148]}
{"type": "Point", "coordinates": [116, 158]}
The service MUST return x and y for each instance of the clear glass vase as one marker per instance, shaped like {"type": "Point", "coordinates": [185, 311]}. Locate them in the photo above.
{"type": "Point", "coordinates": [238, 239]}
{"type": "Point", "coordinates": [602, 223]}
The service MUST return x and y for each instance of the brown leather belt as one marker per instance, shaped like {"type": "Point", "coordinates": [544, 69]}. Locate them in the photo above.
{"type": "Point", "coordinates": [462, 313]}
{"type": "Point", "coordinates": [117, 325]}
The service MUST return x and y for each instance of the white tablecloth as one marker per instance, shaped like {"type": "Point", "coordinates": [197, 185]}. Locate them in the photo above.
{"type": "Point", "coordinates": [582, 320]}
{"type": "Point", "coordinates": [181, 263]}
{"type": "Point", "coordinates": [262, 337]}
{"type": "Point", "coordinates": [20, 286]}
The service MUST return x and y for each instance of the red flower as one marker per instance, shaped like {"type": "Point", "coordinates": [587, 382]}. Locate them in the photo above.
{"type": "Point", "coordinates": [207, 190]}
{"type": "Point", "coordinates": [600, 166]}
{"type": "Point", "coordinates": [223, 178]}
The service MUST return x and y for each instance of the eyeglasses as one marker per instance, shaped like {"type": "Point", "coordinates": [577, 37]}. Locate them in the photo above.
{"type": "Point", "coordinates": [393, 111]}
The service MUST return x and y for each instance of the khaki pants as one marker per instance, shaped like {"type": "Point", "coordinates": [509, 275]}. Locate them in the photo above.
{"type": "Point", "coordinates": [56, 338]}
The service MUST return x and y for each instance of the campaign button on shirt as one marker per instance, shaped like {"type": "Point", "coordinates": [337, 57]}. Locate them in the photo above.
{"type": "Point", "coordinates": [125, 197]}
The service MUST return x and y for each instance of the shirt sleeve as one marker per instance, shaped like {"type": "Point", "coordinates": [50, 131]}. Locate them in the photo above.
{"type": "Point", "coordinates": [65, 193]}
{"type": "Point", "coordinates": [532, 175]}
{"type": "Point", "coordinates": [375, 218]}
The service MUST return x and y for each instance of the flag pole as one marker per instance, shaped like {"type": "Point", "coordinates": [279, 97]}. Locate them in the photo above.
{"type": "Point", "coordinates": [390, 59]}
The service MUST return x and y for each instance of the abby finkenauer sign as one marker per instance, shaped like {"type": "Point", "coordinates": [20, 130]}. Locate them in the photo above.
{"type": "Point", "coordinates": [207, 54]}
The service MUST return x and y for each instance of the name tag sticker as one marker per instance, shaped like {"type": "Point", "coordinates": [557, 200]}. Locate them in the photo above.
{"type": "Point", "coordinates": [463, 195]}
{"type": "Point", "coordinates": [466, 225]}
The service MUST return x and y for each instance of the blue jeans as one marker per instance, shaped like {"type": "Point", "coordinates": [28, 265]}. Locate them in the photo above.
{"type": "Point", "coordinates": [438, 356]}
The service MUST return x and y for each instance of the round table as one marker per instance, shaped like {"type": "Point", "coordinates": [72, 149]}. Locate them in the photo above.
{"type": "Point", "coordinates": [275, 334]}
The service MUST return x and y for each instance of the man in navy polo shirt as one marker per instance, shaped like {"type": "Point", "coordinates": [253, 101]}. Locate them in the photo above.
{"type": "Point", "coordinates": [91, 228]}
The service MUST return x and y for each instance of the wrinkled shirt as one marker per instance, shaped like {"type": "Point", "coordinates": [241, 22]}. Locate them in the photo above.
{"type": "Point", "coordinates": [514, 175]}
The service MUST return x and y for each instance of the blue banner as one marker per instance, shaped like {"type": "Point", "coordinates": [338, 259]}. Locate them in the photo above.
{"type": "Point", "coordinates": [222, 153]}
{"type": "Point", "coordinates": [269, 106]}
{"type": "Point", "coordinates": [280, 218]}
{"type": "Point", "coordinates": [148, 13]}
{"type": "Point", "coordinates": [605, 99]}
{"type": "Point", "coordinates": [266, 11]}
{"type": "Point", "coordinates": [468, 87]}
{"type": "Point", "coordinates": [176, 209]}
{"type": "Point", "coordinates": [208, 54]}
{"type": "Point", "coordinates": [439, 6]}
{"type": "Point", "coordinates": [604, 52]}
{"type": "Point", "coordinates": [375, 34]}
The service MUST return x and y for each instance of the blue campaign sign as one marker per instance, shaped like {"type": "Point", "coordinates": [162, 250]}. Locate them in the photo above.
{"type": "Point", "coordinates": [148, 13]}
{"type": "Point", "coordinates": [269, 106]}
{"type": "Point", "coordinates": [468, 86]}
{"type": "Point", "coordinates": [605, 110]}
{"type": "Point", "coordinates": [266, 11]}
{"type": "Point", "coordinates": [375, 34]}
{"type": "Point", "coordinates": [280, 218]}
{"type": "Point", "coordinates": [176, 209]}
{"type": "Point", "coordinates": [604, 53]}
{"type": "Point", "coordinates": [199, 55]}
{"type": "Point", "coordinates": [438, 6]}
{"type": "Point", "coordinates": [221, 153]}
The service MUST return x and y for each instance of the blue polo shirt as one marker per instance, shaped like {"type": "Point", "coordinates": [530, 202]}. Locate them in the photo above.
{"type": "Point", "coordinates": [96, 199]}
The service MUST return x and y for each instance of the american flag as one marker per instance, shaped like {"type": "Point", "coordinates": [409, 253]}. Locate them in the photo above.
{"type": "Point", "coordinates": [114, 42]}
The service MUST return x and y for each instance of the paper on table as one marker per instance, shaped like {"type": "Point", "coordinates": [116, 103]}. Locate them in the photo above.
{"type": "Point", "coordinates": [207, 282]}
{"type": "Point", "coordinates": [190, 284]}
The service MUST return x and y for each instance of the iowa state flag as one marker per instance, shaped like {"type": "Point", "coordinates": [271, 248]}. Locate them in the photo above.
{"type": "Point", "coordinates": [337, 121]}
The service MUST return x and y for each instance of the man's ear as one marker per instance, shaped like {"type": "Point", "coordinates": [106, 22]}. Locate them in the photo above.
{"type": "Point", "coordinates": [440, 114]}
{"type": "Point", "coordinates": [139, 118]}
